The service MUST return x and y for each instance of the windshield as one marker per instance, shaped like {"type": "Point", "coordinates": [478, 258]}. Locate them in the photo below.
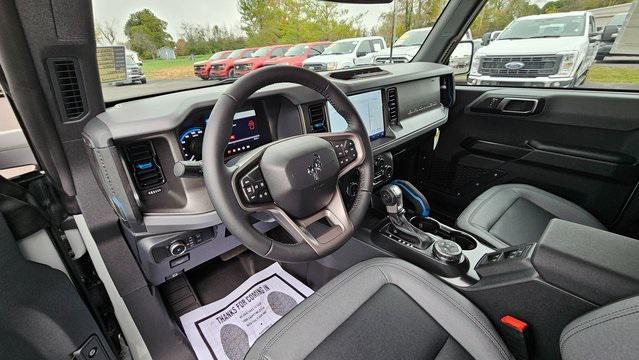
{"type": "Point", "coordinates": [412, 38]}
{"type": "Point", "coordinates": [296, 50]}
{"type": "Point", "coordinates": [559, 26]}
{"type": "Point", "coordinates": [235, 54]}
{"type": "Point", "coordinates": [340, 47]}
{"type": "Point", "coordinates": [219, 56]}
{"type": "Point", "coordinates": [261, 52]}
{"type": "Point", "coordinates": [170, 40]}
{"type": "Point", "coordinates": [618, 19]}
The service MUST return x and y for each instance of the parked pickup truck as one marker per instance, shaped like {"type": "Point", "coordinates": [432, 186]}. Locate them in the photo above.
{"type": "Point", "coordinates": [342, 53]}
{"type": "Point", "coordinates": [202, 69]}
{"type": "Point", "coordinates": [404, 48]}
{"type": "Point", "coordinates": [259, 57]}
{"type": "Point", "coordinates": [224, 68]}
{"type": "Point", "coordinates": [552, 50]}
{"type": "Point", "coordinates": [298, 53]}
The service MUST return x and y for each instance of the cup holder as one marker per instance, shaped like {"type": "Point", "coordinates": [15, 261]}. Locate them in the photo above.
{"type": "Point", "coordinates": [425, 225]}
{"type": "Point", "coordinates": [433, 227]}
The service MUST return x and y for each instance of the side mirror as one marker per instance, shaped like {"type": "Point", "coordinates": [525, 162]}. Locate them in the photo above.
{"type": "Point", "coordinates": [461, 57]}
{"type": "Point", "coordinates": [361, 53]}
{"type": "Point", "coordinates": [609, 33]}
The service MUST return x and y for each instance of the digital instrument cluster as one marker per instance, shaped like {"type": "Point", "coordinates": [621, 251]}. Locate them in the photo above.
{"type": "Point", "coordinates": [248, 133]}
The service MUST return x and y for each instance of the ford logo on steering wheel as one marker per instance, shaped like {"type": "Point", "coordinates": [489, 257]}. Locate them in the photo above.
{"type": "Point", "coordinates": [514, 65]}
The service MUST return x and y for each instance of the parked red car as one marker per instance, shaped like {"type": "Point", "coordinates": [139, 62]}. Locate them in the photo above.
{"type": "Point", "coordinates": [223, 69]}
{"type": "Point", "coordinates": [202, 69]}
{"type": "Point", "coordinates": [243, 67]}
{"type": "Point", "coordinates": [298, 53]}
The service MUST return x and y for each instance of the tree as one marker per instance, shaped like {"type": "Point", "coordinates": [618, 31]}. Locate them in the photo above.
{"type": "Point", "coordinates": [564, 5]}
{"type": "Point", "coordinates": [267, 22]}
{"type": "Point", "coordinates": [147, 33]}
{"type": "Point", "coordinates": [409, 14]}
{"type": "Point", "coordinates": [105, 33]}
{"type": "Point", "coordinates": [497, 14]}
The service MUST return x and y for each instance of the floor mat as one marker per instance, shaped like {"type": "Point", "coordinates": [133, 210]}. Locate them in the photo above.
{"type": "Point", "coordinates": [215, 279]}
{"type": "Point", "coordinates": [226, 329]}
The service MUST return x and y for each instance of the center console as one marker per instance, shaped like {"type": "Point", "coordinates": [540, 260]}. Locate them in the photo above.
{"type": "Point", "coordinates": [570, 270]}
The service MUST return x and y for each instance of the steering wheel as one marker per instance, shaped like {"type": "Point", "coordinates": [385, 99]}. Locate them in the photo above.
{"type": "Point", "coordinates": [295, 180]}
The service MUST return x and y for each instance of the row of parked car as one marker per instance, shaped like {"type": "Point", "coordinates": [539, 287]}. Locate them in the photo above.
{"type": "Point", "coordinates": [317, 56]}
{"type": "Point", "coordinates": [550, 50]}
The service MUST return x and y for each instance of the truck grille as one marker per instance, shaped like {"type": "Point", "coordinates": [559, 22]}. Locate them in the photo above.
{"type": "Point", "coordinates": [134, 71]}
{"type": "Point", "coordinates": [197, 68]}
{"type": "Point", "coordinates": [315, 67]}
{"type": "Point", "coordinates": [243, 67]}
{"type": "Point", "coordinates": [533, 66]}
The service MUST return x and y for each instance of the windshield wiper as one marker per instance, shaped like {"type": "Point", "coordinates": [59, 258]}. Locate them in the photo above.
{"type": "Point", "coordinates": [544, 36]}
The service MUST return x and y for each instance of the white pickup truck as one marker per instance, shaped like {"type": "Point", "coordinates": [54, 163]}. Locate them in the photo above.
{"type": "Point", "coordinates": [551, 50]}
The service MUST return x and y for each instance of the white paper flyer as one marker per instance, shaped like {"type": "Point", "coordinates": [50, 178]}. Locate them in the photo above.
{"type": "Point", "coordinates": [226, 329]}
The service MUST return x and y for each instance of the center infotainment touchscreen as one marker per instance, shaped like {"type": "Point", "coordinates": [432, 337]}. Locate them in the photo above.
{"type": "Point", "coordinates": [370, 108]}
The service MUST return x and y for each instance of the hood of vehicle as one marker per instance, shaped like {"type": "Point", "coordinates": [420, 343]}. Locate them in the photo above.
{"type": "Point", "coordinates": [541, 46]}
{"type": "Point", "coordinates": [325, 59]}
{"type": "Point", "coordinates": [203, 62]}
{"type": "Point", "coordinates": [223, 61]}
{"type": "Point", "coordinates": [409, 51]}
{"type": "Point", "coordinates": [286, 59]}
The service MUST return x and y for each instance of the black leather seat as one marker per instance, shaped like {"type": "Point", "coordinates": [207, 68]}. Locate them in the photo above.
{"type": "Point", "coordinates": [389, 309]}
{"type": "Point", "coordinates": [513, 214]}
{"type": "Point", "coordinates": [382, 309]}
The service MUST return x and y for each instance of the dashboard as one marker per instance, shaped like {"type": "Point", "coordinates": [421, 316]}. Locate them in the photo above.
{"type": "Point", "coordinates": [171, 224]}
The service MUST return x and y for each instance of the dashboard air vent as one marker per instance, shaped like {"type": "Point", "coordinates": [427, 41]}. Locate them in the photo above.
{"type": "Point", "coordinates": [393, 105]}
{"type": "Point", "coordinates": [317, 118]}
{"type": "Point", "coordinates": [144, 165]}
{"type": "Point", "coordinates": [67, 82]}
{"type": "Point", "coordinates": [447, 90]}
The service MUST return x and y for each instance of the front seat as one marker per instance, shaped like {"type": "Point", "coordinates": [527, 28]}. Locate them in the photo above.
{"type": "Point", "coordinates": [382, 309]}
{"type": "Point", "coordinates": [514, 214]}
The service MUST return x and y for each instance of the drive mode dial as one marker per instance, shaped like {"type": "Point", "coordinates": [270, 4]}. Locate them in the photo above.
{"type": "Point", "coordinates": [447, 250]}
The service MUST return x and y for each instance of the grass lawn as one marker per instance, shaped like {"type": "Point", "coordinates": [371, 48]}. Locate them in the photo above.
{"type": "Point", "coordinates": [179, 68]}
{"type": "Point", "coordinates": [614, 74]}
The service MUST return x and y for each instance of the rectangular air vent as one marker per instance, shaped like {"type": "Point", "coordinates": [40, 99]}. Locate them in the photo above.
{"type": "Point", "coordinates": [393, 105]}
{"type": "Point", "coordinates": [447, 90]}
{"type": "Point", "coordinates": [144, 165]}
{"type": "Point", "coordinates": [68, 88]}
{"type": "Point", "coordinates": [317, 117]}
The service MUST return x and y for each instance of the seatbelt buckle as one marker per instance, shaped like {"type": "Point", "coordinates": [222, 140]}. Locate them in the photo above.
{"type": "Point", "coordinates": [517, 336]}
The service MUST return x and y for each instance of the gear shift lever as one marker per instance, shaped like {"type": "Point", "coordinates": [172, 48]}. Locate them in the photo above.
{"type": "Point", "coordinates": [392, 198]}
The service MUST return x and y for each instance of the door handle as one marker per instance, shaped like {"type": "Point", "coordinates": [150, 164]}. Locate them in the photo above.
{"type": "Point", "coordinates": [519, 106]}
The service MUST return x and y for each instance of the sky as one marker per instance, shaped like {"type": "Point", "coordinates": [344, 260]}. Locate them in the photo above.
{"type": "Point", "coordinates": [211, 12]}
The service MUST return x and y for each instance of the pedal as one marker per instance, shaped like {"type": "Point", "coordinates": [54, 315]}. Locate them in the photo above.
{"type": "Point", "coordinates": [180, 295]}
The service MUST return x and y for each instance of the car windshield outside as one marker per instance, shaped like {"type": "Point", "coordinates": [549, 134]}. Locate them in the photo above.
{"type": "Point", "coordinates": [219, 56]}
{"type": "Point", "coordinates": [533, 27]}
{"type": "Point", "coordinates": [195, 43]}
{"type": "Point", "coordinates": [412, 38]}
{"type": "Point", "coordinates": [261, 52]}
{"type": "Point", "coordinates": [341, 47]}
{"type": "Point", "coordinates": [618, 19]}
{"type": "Point", "coordinates": [296, 50]}
{"type": "Point", "coordinates": [235, 54]}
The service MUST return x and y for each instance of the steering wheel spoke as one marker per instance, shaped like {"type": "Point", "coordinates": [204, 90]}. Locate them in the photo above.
{"type": "Point", "coordinates": [349, 150]}
{"type": "Point", "coordinates": [320, 235]}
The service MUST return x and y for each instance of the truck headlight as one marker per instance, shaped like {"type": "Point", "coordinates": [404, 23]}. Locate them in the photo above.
{"type": "Point", "coordinates": [331, 66]}
{"type": "Point", "coordinates": [567, 65]}
{"type": "Point", "coordinates": [474, 67]}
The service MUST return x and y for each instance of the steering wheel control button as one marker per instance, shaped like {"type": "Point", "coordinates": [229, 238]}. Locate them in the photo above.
{"type": "Point", "coordinates": [345, 150]}
{"type": "Point", "coordinates": [447, 250]}
{"type": "Point", "coordinates": [254, 187]}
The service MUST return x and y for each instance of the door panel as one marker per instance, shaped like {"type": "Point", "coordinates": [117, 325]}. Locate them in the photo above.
{"type": "Point", "coordinates": [581, 145]}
